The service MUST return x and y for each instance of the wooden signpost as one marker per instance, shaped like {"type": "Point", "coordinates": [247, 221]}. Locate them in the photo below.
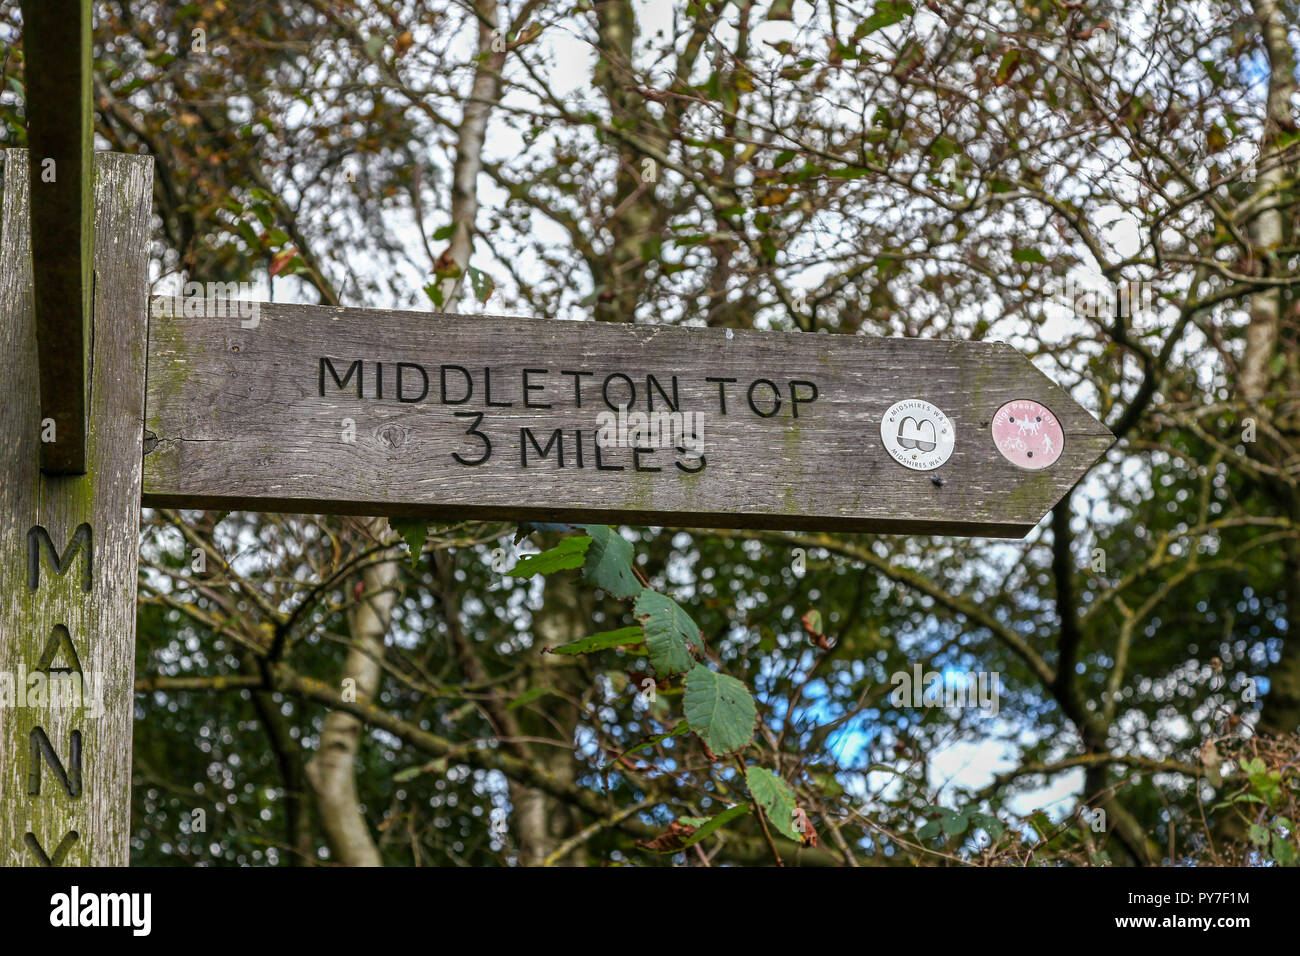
{"type": "Point", "coordinates": [311, 409]}
{"type": "Point", "coordinates": [317, 409]}
{"type": "Point", "coordinates": [69, 546]}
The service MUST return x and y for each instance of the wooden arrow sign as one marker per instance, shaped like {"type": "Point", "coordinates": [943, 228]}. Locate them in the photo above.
{"type": "Point", "coordinates": [315, 409]}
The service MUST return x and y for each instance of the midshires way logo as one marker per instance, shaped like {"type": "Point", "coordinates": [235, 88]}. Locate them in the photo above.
{"type": "Point", "coordinates": [102, 909]}
{"type": "Point", "coordinates": [914, 434]}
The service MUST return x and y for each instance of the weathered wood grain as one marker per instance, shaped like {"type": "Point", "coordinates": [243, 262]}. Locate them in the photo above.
{"type": "Point", "coordinates": [60, 129]}
{"type": "Point", "coordinates": [237, 419]}
{"type": "Point", "coordinates": [93, 601]}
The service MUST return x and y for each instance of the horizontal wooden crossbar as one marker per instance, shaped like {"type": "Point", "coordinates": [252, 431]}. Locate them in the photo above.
{"type": "Point", "coordinates": [298, 408]}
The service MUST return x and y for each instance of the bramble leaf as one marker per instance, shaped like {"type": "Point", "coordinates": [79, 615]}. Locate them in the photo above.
{"type": "Point", "coordinates": [609, 562]}
{"type": "Point", "coordinates": [413, 532]}
{"type": "Point", "coordinates": [569, 553]}
{"type": "Point", "coordinates": [679, 834]}
{"type": "Point", "coordinates": [776, 798]}
{"type": "Point", "coordinates": [720, 709]}
{"type": "Point", "coordinates": [599, 642]}
{"type": "Point", "coordinates": [667, 629]}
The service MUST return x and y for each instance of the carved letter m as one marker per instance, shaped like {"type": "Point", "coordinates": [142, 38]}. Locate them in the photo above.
{"type": "Point", "coordinates": [39, 538]}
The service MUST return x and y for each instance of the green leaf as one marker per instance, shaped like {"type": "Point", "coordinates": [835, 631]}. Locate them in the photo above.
{"type": "Point", "coordinates": [805, 172]}
{"type": "Point", "coordinates": [446, 269]}
{"type": "Point", "coordinates": [1006, 67]}
{"type": "Point", "coordinates": [953, 824]}
{"type": "Point", "coordinates": [687, 831]}
{"type": "Point", "coordinates": [569, 553]}
{"type": "Point", "coordinates": [776, 798]}
{"type": "Point", "coordinates": [886, 13]}
{"type": "Point", "coordinates": [1259, 835]}
{"type": "Point", "coordinates": [712, 823]}
{"type": "Point", "coordinates": [988, 823]}
{"type": "Point", "coordinates": [528, 696]}
{"type": "Point", "coordinates": [1216, 75]}
{"type": "Point", "coordinates": [1028, 255]}
{"type": "Point", "coordinates": [781, 10]}
{"type": "Point", "coordinates": [482, 284]}
{"type": "Point", "coordinates": [849, 172]}
{"type": "Point", "coordinates": [667, 629]}
{"type": "Point", "coordinates": [812, 622]}
{"type": "Point", "coordinates": [1283, 851]}
{"type": "Point", "coordinates": [601, 641]}
{"type": "Point", "coordinates": [248, 235]}
{"type": "Point", "coordinates": [413, 531]}
{"type": "Point", "coordinates": [827, 785]}
{"type": "Point", "coordinates": [1266, 783]}
{"type": "Point", "coordinates": [1041, 823]}
{"type": "Point", "coordinates": [446, 232]}
{"type": "Point", "coordinates": [943, 147]}
{"type": "Point", "coordinates": [929, 831]}
{"type": "Point", "coordinates": [720, 709]}
{"type": "Point", "coordinates": [609, 562]}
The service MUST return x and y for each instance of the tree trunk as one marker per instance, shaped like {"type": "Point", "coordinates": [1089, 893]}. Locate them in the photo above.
{"type": "Point", "coordinates": [542, 821]}
{"type": "Point", "coordinates": [332, 771]}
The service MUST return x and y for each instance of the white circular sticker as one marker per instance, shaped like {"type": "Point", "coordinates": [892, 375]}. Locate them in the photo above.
{"type": "Point", "coordinates": [917, 434]}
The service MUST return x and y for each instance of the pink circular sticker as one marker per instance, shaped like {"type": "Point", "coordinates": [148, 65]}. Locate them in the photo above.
{"type": "Point", "coordinates": [1027, 434]}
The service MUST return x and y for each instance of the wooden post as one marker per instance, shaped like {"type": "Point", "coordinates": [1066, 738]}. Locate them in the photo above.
{"type": "Point", "coordinates": [69, 545]}
{"type": "Point", "coordinates": [60, 131]}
